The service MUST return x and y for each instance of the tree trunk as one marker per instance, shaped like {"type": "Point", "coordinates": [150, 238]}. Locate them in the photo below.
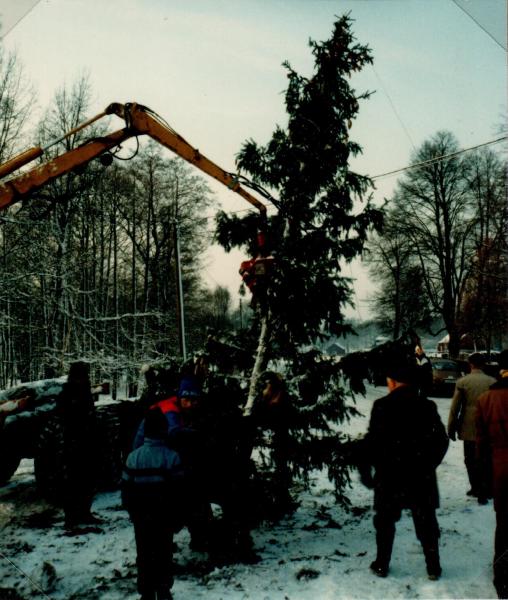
{"type": "Point", "coordinates": [260, 362]}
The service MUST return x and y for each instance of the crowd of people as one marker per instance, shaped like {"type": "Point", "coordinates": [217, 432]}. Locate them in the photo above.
{"type": "Point", "coordinates": [183, 452]}
{"type": "Point", "coordinates": [184, 458]}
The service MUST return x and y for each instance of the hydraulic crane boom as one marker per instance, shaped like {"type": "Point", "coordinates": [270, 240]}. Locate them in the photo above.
{"type": "Point", "coordinates": [139, 120]}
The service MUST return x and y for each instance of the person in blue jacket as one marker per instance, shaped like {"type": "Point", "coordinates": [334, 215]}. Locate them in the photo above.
{"type": "Point", "coordinates": [183, 436]}
{"type": "Point", "coordinates": [153, 494]}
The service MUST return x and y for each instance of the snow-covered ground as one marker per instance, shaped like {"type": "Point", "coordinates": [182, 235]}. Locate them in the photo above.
{"type": "Point", "coordinates": [318, 553]}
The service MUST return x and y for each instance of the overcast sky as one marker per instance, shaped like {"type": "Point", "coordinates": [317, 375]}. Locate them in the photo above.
{"type": "Point", "coordinates": [212, 69]}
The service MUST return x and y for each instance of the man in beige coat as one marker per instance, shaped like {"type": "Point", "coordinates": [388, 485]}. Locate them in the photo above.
{"type": "Point", "coordinates": [461, 420]}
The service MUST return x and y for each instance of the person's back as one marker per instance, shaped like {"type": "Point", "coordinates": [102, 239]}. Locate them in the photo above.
{"type": "Point", "coordinates": [492, 437]}
{"type": "Point", "coordinates": [405, 443]}
{"type": "Point", "coordinates": [461, 422]}
{"type": "Point", "coordinates": [152, 492]}
{"type": "Point", "coordinates": [77, 427]}
{"type": "Point", "coordinates": [493, 407]}
{"type": "Point", "coordinates": [464, 402]}
{"type": "Point", "coordinates": [150, 473]}
{"type": "Point", "coordinates": [492, 448]}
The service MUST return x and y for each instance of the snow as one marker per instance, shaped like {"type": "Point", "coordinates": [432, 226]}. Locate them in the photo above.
{"type": "Point", "coordinates": [319, 553]}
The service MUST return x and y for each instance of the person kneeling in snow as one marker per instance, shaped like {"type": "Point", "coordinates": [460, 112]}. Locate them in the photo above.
{"type": "Point", "coordinates": [152, 492]}
{"type": "Point", "coordinates": [405, 443]}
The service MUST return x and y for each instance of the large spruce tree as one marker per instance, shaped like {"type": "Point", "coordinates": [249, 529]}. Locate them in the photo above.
{"type": "Point", "coordinates": [322, 220]}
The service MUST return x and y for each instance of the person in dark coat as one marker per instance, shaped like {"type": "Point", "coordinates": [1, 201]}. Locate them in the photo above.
{"type": "Point", "coordinates": [76, 415]}
{"type": "Point", "coordinates": [273, 414]}
{"type": "Point", "coordinates": [424, 371]}
{"type": "Point", "coordinates": [492, 449]}
{"type": "Point", "coordinates": [405, 443]}
{"type": "Point", "coordinates": [226, 470]}
{"type": "Point", "coordinates": [153, 492]}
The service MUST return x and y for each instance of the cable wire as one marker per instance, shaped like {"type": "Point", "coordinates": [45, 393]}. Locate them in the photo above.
{"type": "Point", "coordinates": [479, 24]}
{"type": "Point", "coordinates": [399, 118]}
{"type": "Point", "coordinates": [20, 19]}
{"type": "Point", "coordinates": [438, 158]}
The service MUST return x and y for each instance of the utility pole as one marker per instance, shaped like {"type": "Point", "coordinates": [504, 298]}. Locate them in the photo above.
{"type": "Point", "coordinates": [179, 287]}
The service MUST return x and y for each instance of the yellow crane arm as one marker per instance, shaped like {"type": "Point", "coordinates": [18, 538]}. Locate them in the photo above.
{"type": "Point", "coordinates": [139, 121]}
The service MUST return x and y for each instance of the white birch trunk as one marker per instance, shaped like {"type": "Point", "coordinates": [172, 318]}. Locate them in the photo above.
{"type": "Point", "coordinates": [259, 364]}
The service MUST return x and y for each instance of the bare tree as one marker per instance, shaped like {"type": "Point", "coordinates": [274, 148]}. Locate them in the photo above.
{"type": "Point", "coordinates": [219, 307]}
{"type": "Point", "coordinates": [16, 102]}
{"type": "Point", "coordinates": [433, 209]}
{"type": "Point", "coordinates": [62, 200]}
{"type": "Point", "coordinates": [96, 279]}
{"type": "Point", "coordinates": [485, 307]}
{"type": "Point", "coordinates": [400, 303]}
{"type": "Point", "coordinates": [17, 99]}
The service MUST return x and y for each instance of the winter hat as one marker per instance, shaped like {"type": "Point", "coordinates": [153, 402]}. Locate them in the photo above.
{"type": "Point", "coordinates": [399, 367]}
{"type": "Point", "coordinates": [401, 373]}
{"type": "Point", "coordinates": [189, 388]}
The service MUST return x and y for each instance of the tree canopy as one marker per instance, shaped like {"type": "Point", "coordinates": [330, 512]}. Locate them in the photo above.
{"type": "Point", "coordinates": [445, 233]}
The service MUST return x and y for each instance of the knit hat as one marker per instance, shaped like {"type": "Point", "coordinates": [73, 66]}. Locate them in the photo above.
{"type": "Point", "coordinates": [189, 388]}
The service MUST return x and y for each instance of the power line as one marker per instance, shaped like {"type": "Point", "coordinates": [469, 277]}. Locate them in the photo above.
{"type": "Point", "coordinates": [392, 104]}
{"type": "Point", "coordinates": [16, 23]}
{"type": "Point", "coordinates": [479, 24]}
{"type": "Point", "coordinates": [402, 169]}
{"type": "Point", "coordinates": [439, 158]}
{"type": "Point", "coordinates": [408, 167]}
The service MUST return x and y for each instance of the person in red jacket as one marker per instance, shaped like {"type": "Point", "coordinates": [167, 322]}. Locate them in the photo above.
{"type": "Point", "coordinates": [179, 411]}
{"type": "Point", "coordinates": [492, 448]}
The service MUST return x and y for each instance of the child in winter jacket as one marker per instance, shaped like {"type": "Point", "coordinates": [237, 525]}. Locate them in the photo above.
{"type": "Point", "coordinates": [152, 493]}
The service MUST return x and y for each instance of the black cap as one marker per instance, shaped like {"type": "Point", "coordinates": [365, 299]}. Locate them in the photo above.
{"type": "Point", "coordinates": [400, 367]}
{"type": "Point", "coordinates": [403, 373]}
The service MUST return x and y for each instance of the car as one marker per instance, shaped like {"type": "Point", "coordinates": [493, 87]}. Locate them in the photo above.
{"type": "Point", "coordinates": [445, 373]}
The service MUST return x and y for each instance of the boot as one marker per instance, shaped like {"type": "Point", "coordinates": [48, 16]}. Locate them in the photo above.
{"type": "Point", "coordinates": [432, 561]}
{"type": "Point", "coordinates": [380, 569]}
{"type": "Point", "coordinates": [384, 543]}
